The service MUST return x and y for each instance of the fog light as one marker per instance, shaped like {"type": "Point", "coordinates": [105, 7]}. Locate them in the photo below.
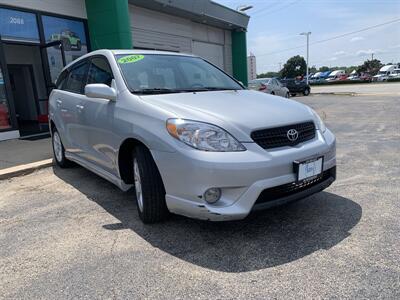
{"type": "Point", "coordinates": [212, 195]}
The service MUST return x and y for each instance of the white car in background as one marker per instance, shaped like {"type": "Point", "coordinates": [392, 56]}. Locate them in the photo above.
{"type": "Point", "coordinates": [270, 86]}
{"type": "Point", "coordinates": [395, 74]}
{"type": "Point", "coordinates": [335, 75]}
{"type": "Point", "coordinates": [384, 73]}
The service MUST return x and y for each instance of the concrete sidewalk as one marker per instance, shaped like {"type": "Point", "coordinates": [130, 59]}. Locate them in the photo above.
{"type": "Point", "coordinates": [17, 153]}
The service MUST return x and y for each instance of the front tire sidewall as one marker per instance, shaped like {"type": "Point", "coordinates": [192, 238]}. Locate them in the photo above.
{"type": "Point", "coordinates": [152, 206]}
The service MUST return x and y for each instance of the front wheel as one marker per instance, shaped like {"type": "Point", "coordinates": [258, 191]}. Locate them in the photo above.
{"type": "Point", "coordinates": [149, 188]}
{"type": "Point", "coordinates": [306, 92]}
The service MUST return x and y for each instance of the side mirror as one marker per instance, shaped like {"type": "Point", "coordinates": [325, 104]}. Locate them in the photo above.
{"type": "Point", "coordinates": [100, 90]}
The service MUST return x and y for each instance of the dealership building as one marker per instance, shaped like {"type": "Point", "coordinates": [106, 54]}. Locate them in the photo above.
{"type": "Point", "coordinates": [39, 37]}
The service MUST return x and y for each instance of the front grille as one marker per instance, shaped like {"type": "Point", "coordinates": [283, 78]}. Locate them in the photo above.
{"type": "Point", "coordinates": [288, 189]}
{"type": "Point", "coordinates": [277, 137]}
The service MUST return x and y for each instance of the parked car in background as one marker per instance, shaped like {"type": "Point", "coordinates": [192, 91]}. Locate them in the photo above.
{"type": "Point", "coordinates": [189, 138]}
{"type": "Point", "coordinates": [395, 74]}
{"type": "Point", "coordinates": [384, 73]}
{"type": "Point", "coordinates": [325, 75]}
{"type": "Point", "coordinates": [365, 77]}
{"type": "Point", "coordinates": [353, 77]}
{"type": "Point", "coordinates": [270, 86]}
{"type": "Point", "coordinates": [336, 75]}
{"type": "Point", "coordinates": [296, 86]}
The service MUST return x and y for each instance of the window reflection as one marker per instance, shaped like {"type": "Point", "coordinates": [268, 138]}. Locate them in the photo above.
{"type": "Point", "coordinates": [4, 112]}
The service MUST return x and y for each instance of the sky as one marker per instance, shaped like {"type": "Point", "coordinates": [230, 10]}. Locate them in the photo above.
{"type": "Point", "coordinates": [275, 26]}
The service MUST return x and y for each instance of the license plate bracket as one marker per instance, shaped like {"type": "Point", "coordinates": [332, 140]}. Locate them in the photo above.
{"type": "Point", "coordinates": [308, 169]}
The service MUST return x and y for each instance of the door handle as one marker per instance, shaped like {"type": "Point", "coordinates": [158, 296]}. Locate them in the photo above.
{"type": "Point", "coordinates": [79, 107]}
{"type": "Point", "coordinates": [59, 102]}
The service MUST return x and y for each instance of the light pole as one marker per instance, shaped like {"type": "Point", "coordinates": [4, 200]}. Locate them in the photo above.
{"type": "Point", "coordinates": [308, 47]}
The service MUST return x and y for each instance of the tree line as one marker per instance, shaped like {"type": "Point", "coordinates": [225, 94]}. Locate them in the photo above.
{"type": "Point", "coordinates": [296, 66]}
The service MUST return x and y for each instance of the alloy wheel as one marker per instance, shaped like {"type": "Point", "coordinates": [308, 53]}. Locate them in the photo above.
{"type": "Point", "coordinates": [57, 146]}
{"type": "Point", "coordinates": [138, 185]}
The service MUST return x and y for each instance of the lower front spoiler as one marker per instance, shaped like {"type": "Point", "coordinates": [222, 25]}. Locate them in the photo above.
{"type": "Point", "coordinates": [268, 198]}
{"type": "Point", "coordinates": [263, 202]}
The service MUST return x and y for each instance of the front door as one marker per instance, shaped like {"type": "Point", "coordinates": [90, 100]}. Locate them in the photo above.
{"type": "Point", "coordinates": [97, 118]}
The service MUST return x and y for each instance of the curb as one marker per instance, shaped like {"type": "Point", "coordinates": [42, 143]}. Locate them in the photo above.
{"type": "Point", "coordinates": [25, 169]}
{"type": "Point", "coordinates": [335, 93]}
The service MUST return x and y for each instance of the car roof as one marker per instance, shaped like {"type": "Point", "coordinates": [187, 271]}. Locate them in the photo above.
{"type": "Point", "coordinates": [259, 79]}
{"type": "Point", "coordinates": [126, 52]}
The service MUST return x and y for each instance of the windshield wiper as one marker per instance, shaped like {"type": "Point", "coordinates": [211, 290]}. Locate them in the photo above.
{"type": "Point", "coordinates": [155, 91]}
{"type": "Point", "coordinates": [170, 91]}
{"type": "Point", "coordinates": [212, 88]}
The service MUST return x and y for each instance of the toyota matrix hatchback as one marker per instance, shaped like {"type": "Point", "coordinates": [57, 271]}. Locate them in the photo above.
{"type": "Point", "coordinates": [189, 138]}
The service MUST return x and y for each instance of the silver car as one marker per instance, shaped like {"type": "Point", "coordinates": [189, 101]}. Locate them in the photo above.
{"type": "Point", "coordinates": [270, 86]}
{"type": "Point", "coordinates": [189, 138]}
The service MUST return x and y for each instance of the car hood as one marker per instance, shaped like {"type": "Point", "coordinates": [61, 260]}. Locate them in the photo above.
{"type": "Point", "coordinates": [238, 112]}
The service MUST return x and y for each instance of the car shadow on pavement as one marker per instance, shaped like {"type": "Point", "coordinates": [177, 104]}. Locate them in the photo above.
{"type": "Point", "coordinates": [266, 239]}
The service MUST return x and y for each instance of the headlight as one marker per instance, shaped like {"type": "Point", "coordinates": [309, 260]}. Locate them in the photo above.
{"type": "Point", "coordinates": [203, 136]}
{"type": "Point", "coordinates": [320, 124]}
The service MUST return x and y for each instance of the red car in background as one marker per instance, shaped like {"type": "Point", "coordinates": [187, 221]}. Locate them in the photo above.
{"type": "Point", "coordinates": [4, 118]}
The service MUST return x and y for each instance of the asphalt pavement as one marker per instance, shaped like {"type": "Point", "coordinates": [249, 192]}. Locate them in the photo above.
{"type": "Point", "coordinates": [366, 89]}
{"type": "Point", "coordinates": [70, 234]}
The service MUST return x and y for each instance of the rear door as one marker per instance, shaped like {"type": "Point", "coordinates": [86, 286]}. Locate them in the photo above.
{"type": "Point", "coordinates": [71, 109]}
{"type": "Point", "coordinates": [97, 119]}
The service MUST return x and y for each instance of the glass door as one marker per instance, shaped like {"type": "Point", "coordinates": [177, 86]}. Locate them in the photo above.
{"type": "Point", "coordinates": [7, 116]}
{"type": "Point", "coordinates": [53, 56]}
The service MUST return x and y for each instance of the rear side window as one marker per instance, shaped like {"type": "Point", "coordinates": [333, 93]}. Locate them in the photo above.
{"type": "Point", "coordinates": [100, 71]}
{"type": "Point", "coordinates": [76, 78]}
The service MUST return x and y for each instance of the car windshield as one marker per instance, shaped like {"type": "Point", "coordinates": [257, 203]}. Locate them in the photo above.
{"type": "Point", "coordinates": [163, 73]}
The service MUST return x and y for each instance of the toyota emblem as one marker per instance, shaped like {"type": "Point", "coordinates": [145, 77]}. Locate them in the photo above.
{"type": "Point", "coordinates": [292, 135]}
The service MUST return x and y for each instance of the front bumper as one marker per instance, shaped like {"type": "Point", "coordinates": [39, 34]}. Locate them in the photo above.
{"type": "Point", "coordinates": [243, 177]}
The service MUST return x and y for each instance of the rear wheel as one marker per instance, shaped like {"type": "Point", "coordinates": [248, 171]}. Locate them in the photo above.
{"type": "Point", "coordinates": [149, 188]}
{"type": "Point", "coordinates": [306, 92]}
{"type": "Point", "coordinates": [59, 150]}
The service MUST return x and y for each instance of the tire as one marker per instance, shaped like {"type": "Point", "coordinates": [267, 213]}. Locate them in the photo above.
{"type": "Point", "coordinates": [78, 46]}
{"type": "Point", "coordinates": [293, 94]}
{"type": "Point", "coordinates": [149, 188]}
{"type": "Point", "coordinates": [272, 93]}
{"type": "Point", "coordinates": [306, 92]}
{"type": "Point", "coordinates": [59, 150]}
{"type": "Point", "coordinates": [287, 95]}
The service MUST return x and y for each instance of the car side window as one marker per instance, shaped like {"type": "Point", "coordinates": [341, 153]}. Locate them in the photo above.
{"type": "Point", "coordinates": [76, 78]}
{"type": "Point", "coordinates": [61, 79]}
{"type": "Point", "coordinates": [100, 71]}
